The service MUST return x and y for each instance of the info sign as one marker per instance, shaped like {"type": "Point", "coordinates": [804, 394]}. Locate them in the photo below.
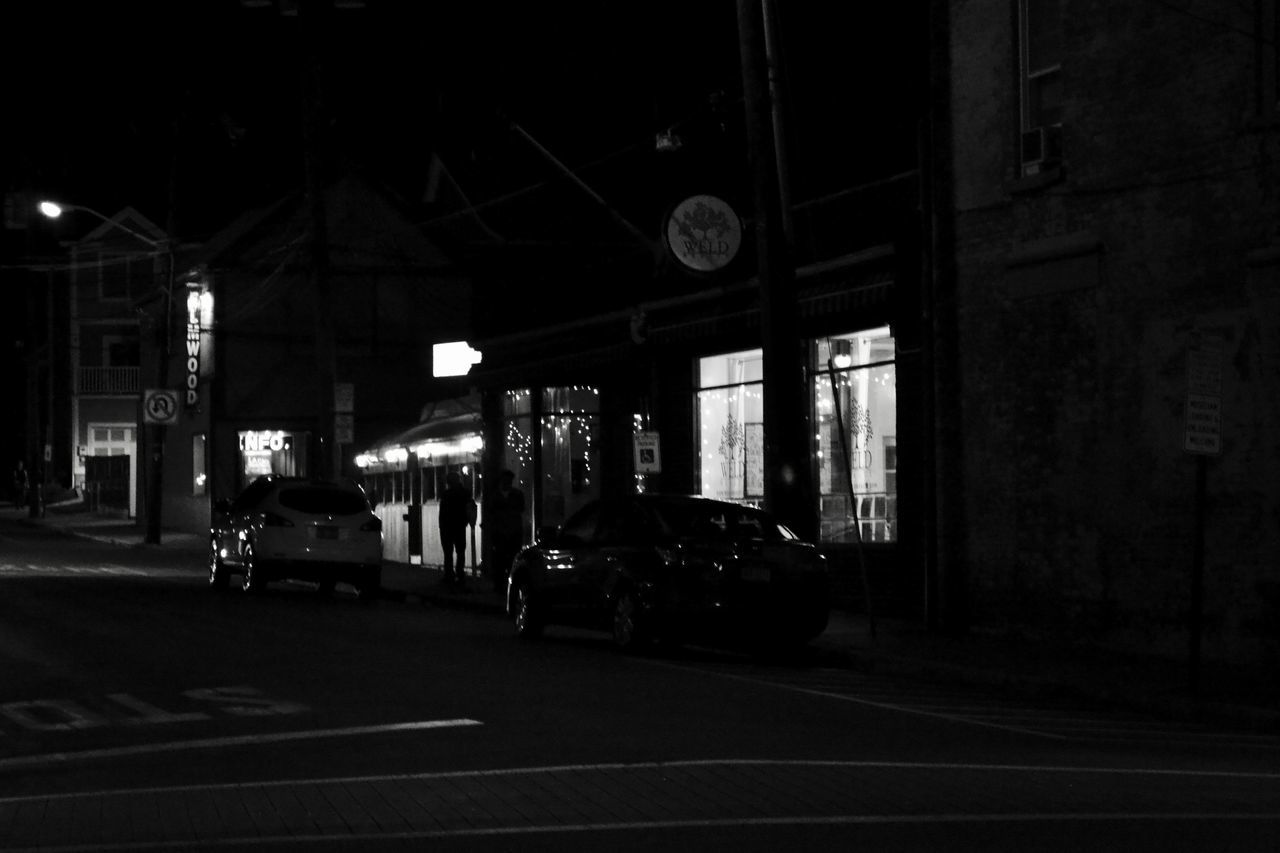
{"type": "Point", "coordinates": [1203, 422]}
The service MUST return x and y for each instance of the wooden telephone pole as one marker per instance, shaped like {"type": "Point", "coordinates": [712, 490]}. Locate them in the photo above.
{"type": "Point", "coordinates": [788, 488]}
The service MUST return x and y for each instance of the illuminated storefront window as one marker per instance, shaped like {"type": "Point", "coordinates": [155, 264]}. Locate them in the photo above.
{"type": "Point", "coordinates": [856, 474]}
{"type": "Point", "coordinates": [857, 469]}
{"type": "Point", "coordinates": [731, 426]}
{"type": "Point", "coordinates": [271, 452]}
{"type": "Point", "coordinates": [553, 434]}
{"type": "Point", "coordinates": [519, 440]}
{"type": "Point", "coordinates": [570, 450]}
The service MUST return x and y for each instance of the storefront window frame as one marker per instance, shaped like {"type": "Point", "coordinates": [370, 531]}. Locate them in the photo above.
{"type": "Point", "coordinates": [875, 513]}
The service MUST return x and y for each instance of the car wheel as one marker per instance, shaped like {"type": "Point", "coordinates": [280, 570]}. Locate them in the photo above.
{"type": "Point", "coordinates": [253, 580]}
{"type": "Point", "coordinates": [525, 613]}
{"type": "Point", "coordinates": [217, 571]}
{"type": "Point", "coordinates": [628, 623]}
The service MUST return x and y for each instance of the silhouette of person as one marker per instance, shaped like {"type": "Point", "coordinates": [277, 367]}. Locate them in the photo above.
{"type": "Point", "coordinates": [21, 485]}
{"type": "Point", "coordinates": [504, 521]}
{"type": "Point", "coordinates": [457, 511]}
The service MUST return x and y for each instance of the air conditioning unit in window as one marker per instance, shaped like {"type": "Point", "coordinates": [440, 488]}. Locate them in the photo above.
{"type": "Point", "coordinates": [1041, 148]}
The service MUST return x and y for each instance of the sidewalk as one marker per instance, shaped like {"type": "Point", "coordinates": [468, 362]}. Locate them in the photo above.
{"type": "Point", "coordinates": [1241, 698]}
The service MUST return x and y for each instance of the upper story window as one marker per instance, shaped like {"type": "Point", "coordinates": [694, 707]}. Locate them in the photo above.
{"type": "Point", "coordinates": [1040, 47]}
{"type": "Point", "coordinates": [124, 276]}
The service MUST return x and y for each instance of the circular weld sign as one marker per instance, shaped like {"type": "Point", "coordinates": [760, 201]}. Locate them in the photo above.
{"type": "Point", "coordinates": [703, 233]}
{"type": "Point", "coordinates": [160, 406]}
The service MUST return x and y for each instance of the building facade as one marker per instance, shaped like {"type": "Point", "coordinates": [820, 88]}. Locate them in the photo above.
{"type": "Point", "coordinates": [123, 261]}
{"type": "Point", "coordinates": [253, 349]}
{"type": "Point", "coordinates": [1113, 170]}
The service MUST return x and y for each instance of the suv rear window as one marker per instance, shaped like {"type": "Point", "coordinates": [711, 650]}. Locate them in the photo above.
{"type": "Point", "coordinates": [323, 501]}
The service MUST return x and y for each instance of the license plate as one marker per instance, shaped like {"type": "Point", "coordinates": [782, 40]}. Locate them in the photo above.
{"type": "Point", "coordinates": [326, 533]}
{"type": "Point", "coordinates": [757, 574]}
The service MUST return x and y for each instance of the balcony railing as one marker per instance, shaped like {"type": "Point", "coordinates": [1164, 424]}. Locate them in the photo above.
{"type": "Point", "coordinates": [107, 380]}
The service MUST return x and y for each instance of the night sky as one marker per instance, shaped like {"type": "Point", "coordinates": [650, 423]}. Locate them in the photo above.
{"type": "Point", "coordinates": [191, 111]}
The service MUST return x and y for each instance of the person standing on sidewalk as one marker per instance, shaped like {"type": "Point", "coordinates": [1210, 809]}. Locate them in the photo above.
{"type": "Point", "coordinates": [21, 483]}
{"type": "Point", "coordinates": [457, 512]}
{"type": "Point", "coordinates": [504, 521]}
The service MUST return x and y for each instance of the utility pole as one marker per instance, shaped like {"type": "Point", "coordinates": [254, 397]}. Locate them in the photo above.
{"type": "Point", "coordinates": [788, 488]}
{"type": "Point", "coordinates": [327, 454]}
{"type": "Point", "coordinates": [156, 433]}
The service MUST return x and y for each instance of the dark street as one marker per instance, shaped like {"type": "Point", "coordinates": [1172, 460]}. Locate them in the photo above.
{"type": "Point", "coordinates": [140, 710]}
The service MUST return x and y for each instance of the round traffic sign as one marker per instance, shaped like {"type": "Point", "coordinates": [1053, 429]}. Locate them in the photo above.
{"type": "Point", "coordinates": [160, 406]}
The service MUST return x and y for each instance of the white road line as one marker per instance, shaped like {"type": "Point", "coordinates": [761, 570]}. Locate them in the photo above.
{"type": "Point", "coordinates": [834, 820]}
{"type": "Point", "coordinates": [218, 742]}
{"type": "Point", "coordinates": [844, 697]}
{"type": "Point", "coordinates": [1054, 769]}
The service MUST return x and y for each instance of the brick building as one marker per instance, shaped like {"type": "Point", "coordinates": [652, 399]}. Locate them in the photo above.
{"type": "Point", "coordinates": [1113, 176]}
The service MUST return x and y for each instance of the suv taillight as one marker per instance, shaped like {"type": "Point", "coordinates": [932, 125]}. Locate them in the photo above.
{"type": "Point", "coordinates": [373, 525]}
{"type": "Point", "coordinates": [270, 519]}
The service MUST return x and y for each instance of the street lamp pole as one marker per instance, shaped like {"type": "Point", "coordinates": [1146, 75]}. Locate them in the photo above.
{"type": "Point", "coordinates": [155, 433]}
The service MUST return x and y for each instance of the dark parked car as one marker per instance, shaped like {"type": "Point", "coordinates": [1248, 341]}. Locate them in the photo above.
{"type": "Point", "coordinates": [674, 568]}
{"type": "Point", "coordinates": [290, 527]}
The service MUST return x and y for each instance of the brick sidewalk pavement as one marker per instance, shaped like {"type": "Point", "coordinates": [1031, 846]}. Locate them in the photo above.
{"type": "Point", "coordinates": [708, 794]}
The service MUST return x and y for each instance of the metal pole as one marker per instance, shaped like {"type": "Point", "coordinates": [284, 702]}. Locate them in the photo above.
{"type": "Point", "coordinates": [155, 433]}
{"type": "Point", "coordinates": [327, 453]}
{"type": "Point", "coordinates": [853, 500]}
{"type": "Point", "coordinates": [48, 424]}
{"type": "Point", "coordinates": [1195, 614]}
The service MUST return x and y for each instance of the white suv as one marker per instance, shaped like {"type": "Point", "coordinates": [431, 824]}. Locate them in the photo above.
{"type": "Point", "coordinates": [290, 527]}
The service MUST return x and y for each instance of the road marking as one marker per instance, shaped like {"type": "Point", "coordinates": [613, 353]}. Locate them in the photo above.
{"type": "Point", "coordinates": [220, 742]}
{"type": "Point", "coordinates": [1056, 722]}
{"type": "Point", "coordinates": [34, 570]}
{"type": "Point", "coordinates": [844, 697]}
{"type": "Point", "coordinates": [1056, 769]}
{"type": "Point", "coordinates": [60, 715]}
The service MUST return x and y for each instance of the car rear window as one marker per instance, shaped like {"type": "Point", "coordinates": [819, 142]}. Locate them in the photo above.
{"type": "Point", "coordinates": [323, 501]}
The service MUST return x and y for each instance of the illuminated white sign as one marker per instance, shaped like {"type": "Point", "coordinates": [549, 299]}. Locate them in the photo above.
{"type": "Point", "coordinates": [265, 441]}
{"type": "Point", "coordinates": [648, 455]}
{"type": "Point", "coordinates": [453, 359]}
{"type": "Point", "coordinates": [199, 308]}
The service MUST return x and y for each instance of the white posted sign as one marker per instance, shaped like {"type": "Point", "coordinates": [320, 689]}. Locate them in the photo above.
{"type": "Point", "coordinates": [648, 453]}
{"type": "Point", "coordinates": [1203, 422]}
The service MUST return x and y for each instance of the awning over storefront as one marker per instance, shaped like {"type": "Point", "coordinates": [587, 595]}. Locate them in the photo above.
{"type": "Point", "coordinates": [448, 427]}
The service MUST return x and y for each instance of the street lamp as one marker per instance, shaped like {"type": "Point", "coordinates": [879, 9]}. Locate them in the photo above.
{"type": "Point", "coordinates": [155, 433]}
{"type": "Point", "coordinates": [53, 210]}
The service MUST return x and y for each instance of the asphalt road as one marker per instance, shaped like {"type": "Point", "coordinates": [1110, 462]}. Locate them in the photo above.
{"type": "Point", "coordinates": [141, 711]}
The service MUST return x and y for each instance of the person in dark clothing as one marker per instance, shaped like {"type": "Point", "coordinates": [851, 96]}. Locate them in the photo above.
{"type": "Point", "coordinates": [457, 511]}
{"type": "Point", "coordinates": [504, 521]}
{"type": "Point", "coordinates": [21, 485]}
